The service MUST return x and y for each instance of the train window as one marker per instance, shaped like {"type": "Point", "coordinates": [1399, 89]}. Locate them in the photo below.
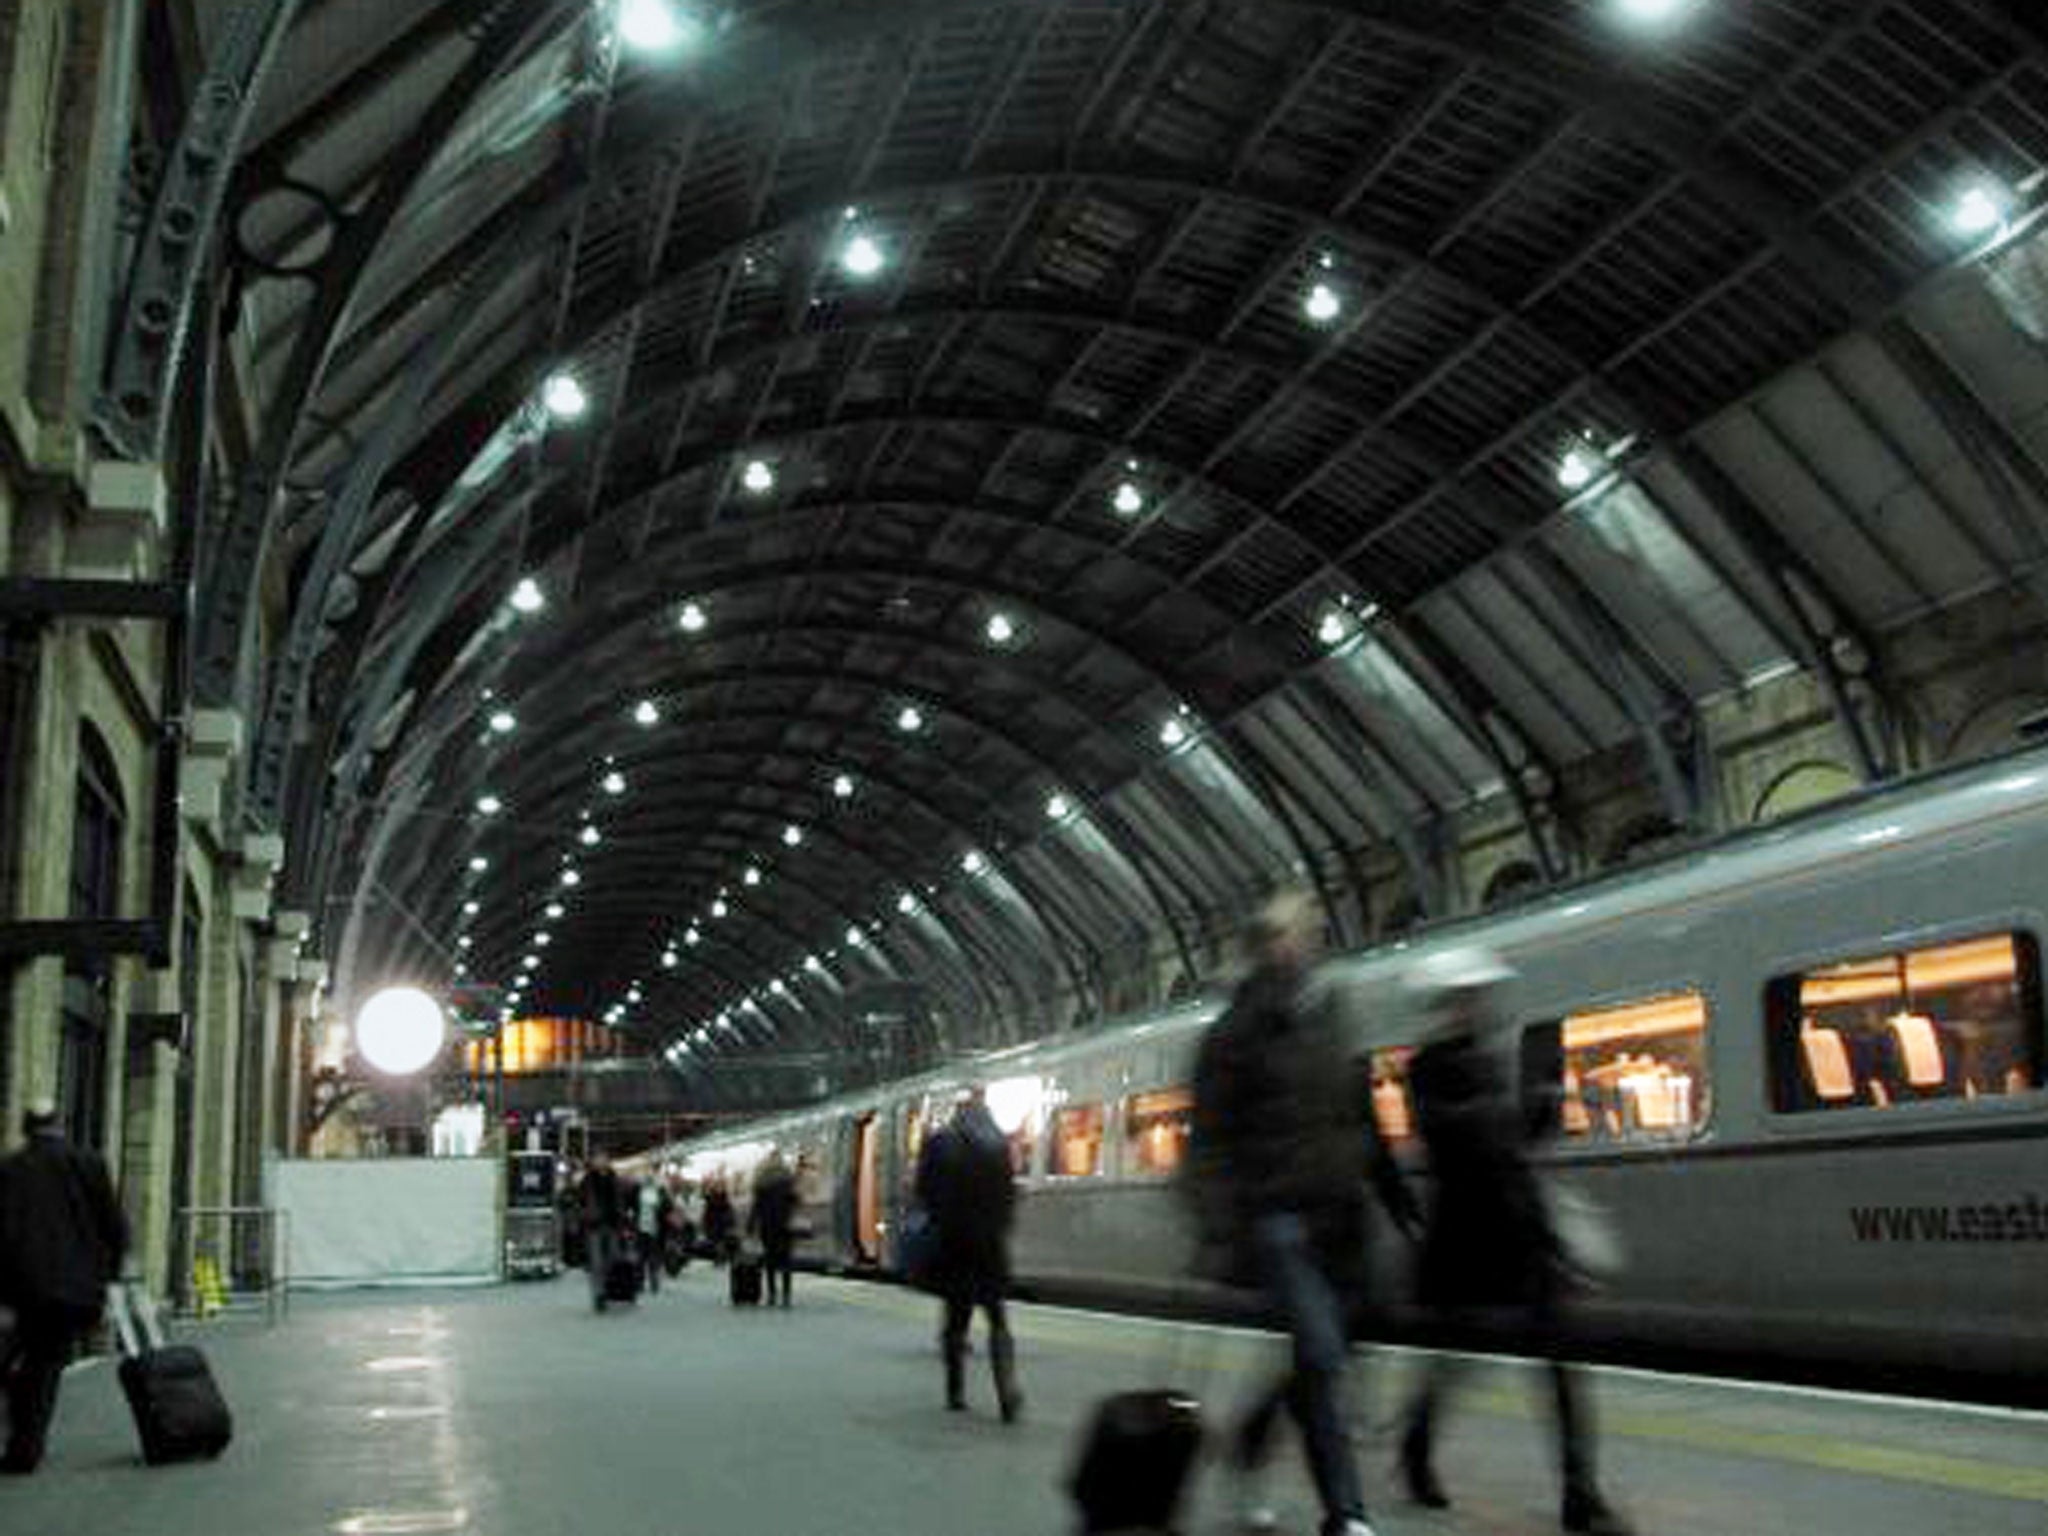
{"type": "Point", "coordinates": [1949, 1021]}
{"type": "Point", "coordinates": [1077, 1142]}
{"type": "Point", "coordinates": [1392, 1108]}
{"type": "Point", "coordinates": [1622, 1075]}
{"type": "Point", "coordinates": [1156, 1128]}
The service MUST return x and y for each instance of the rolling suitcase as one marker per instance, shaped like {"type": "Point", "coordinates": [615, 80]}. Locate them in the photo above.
{"type": "Point", "coordinates": [1135, 1462]}
{"type": "Point", "coordinates": [622, 1278]}
{"type": "Point", "coordinates": [178, 1409]}
{"type": "Point", "coordinates": [746, 1282]}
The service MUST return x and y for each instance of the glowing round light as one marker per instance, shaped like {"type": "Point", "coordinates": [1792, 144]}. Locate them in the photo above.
{"type": "Point", "coordinates": [564, 397]}
{"type": "Point", "coordinates": [614, 783]}
{"type": "Point", "coordinates": [543, 938]}
{"type": "Point", "coordinates": [1173, 733]}
{"type": "Point", "coordinates": [693, 937]}
{"type": "Point", "coordinates": [1000, 631]}
{"type": "Point", "coordinates": [650, 26]}
{"type": "Point", "coordinates": [479, 864]}
{"type": "Point", "coordinates": [778, 987]}
{"type": "Point", "coordinates": [691, 619]}
{"type": "Point", "coordinates": [400, 1030]}
{"type": "Point", "coordinates": [911, 719]}
{"type": "Point", "coordinates": [792, 835]}
{"type": "Point", "coordinates": [504, 721]}
{"type": "Point", "coordinates": [719, 908]}
{"type": "Point", "coordinates": [464, 942]}
{"type": "Point", "coordinates": [633, 996]}
{"type": "Point", "coordinates": [758, 477]}
{"type": "Point", "coordinates": [1129, 501]}
{"type": "Point", "coordinates": [571, 879]}
{"type": "Point", "coordinates": [1323, 304]}
{"type": "Point", "coordinates": [1980, 210]}
{"type": "Point", "coordinates": [1333, 628]}
{"type": "Point", "coordinates": [670, 959]}
{"type": "Point", "coordinates": [813, 964]}
{"type": "Point", "coordinates": [590, 837]}
{"type": "Point", "coordinates": [1057, 807]}
{"type": "Point", "coordinates": [1575, 472]}
{"type": "Point", "coordinates": [1651, 13]}
{"type": "Point", "coordinates": [973, 862]}
{"type": "Point", "coordinates": [489, 805]}
{"type": "Point", "coordinates": [644, 713]}
{"type": "Point", "coordinates": [842, 786]}
{"type": "Point", "coordinates": [862, 257]}
{"type": "Point", "coordinates": [530, 962]}
{"type": "Point", "coordinates": [470, 909]}
{"type": "Point", "coordinates": [555, 909]}
{"type": "Point", "coordinates": [527, 597]}
{"type": "Point", "coordinates": [906, 903]}
{"type": "Point", "coordinates": [855, 938]}
{"type": "Point", "coordinates": [751, 877]}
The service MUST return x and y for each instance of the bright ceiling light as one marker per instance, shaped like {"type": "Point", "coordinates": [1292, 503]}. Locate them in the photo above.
{"type": "Point", "coordinates": [1981, 210]}
{"type": "Point", "coordinates": [1057, 806]}
{"type": "Point", "coordinates": [1575, 472]}
{"type": "Point", "coordinates": [1129, 501]}
{"type": "Point", "coordinates": [489, 805]}
{"type": "Point", "coordinates": [1001, 631]}
{"type": "Point", "coordinates": [651, 26]}
{"type": "Point", "coordinates": [564, 397]}
{"type": "Point", "coordinates": [464, 941]}
{"type": "Point", "coordinates": [691, 619]}
{"type": "Point", "coordinates": [400, 1030]}
{"type": "Point", "coordinates": [644, 713]}
{"type": "Point", "coordinates": [614, 783]}
{"type": "Point", "coordinates": [758, 477]}
{"type": "Point", "coordinates": [792, 835]}
{"type": "Point", "coordinates": [503, 721]}
{"type": "Point", "coordinates": [1650, 13]}
{"type": "Point", "coordinates": [693, 937]}
{"type": "Point", "coordinates": [571, 879]}
{"type": "Point", "coordinates": [590, 837]}
{"type": "Point", "coordinates": [862, 257]}
{"type": "Point", "coordinates": [973, 862]}
{"type": "Point", "coordinates": [813, 964]}
{"type": "Point", "coordinates": [719, 908]}
{"type": "Point", "coordinates": [531, 962]}
{"type": "Point", "coordinates": [470, 909]}
{"type": "Point", "coordinates": [855, 938]}
{"type": "Point", "coordinates": [752, 876]}
{"type": "Point", "coordinates": [1323, 304]}
{"type": "Point", "coordinates": [911, 719]}
{"type": "Point", "coordinates": [543, 939]}
{"type": "Point", "coordinates": [555, 909]}
{"type": "Point", "coordinates": [1333, 627]}
{"type": "Point", "coordinates": [906, 904]}
{"type": "Point", "coordinates": [778, 987]}
{"type": "Point", "coordinates": [526, 597]}
{"type": "Point", "coordinates": [670, 959]}
{"type": "Point", "coordinates": [461, 969]}
{"type": "Point", "coordinates": [633, 996]}
{"type": "Point", "coordinates": [1173, 733]}
{"type": "Point", "coordinates": [842, 786]}
{"type": "Point", "coordinates": [479, 864]}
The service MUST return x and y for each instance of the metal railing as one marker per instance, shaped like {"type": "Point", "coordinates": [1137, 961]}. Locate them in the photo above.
{"type": "Point", "coordinates": [232, 1259]}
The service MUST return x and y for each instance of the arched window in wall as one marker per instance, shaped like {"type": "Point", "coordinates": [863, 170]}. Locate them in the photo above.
{"type": "Point", "coordinates": [1511, 883]}
{"type": "Point", "coordinates": [99, 821]}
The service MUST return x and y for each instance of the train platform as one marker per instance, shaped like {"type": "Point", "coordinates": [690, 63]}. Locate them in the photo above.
{"type": "Point", "coordinates": [518, 1410]}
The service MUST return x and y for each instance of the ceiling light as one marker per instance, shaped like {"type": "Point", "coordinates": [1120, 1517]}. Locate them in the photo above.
{"type": "Point", "coordinates": [564, 397]}
{"type": "Point", "coordinates": [503, 721]}
{"type": "Point", "coordinates": [633, 996]}
{"type": "Point", "coordinates": [1001, 631]}
{"type": "Point", "coordinates": [1333, 627]}
{"type": "Point", "coordinates": [489, 805]}
{"type": "Point", "coordinates": [526, 597]}
{"type": "Point", "coordinates": [719, 908]}
{"type": "Point", "coordinates": [1323, 304]}
{"type": "Point", "coordinates": [855, 938]}
{"type": "Point", "coordinates": [842, 786]}
{"type": "Point", "coordinates": [531, 962]}
{"type": "Point", "coordinates": [862, 257]}
{"type": "Point", "coordinates": [758, 477]}
{"type": "Point", "coordinates": [691, 618]}
{"type": "Point", "coordinates": [776, 986]}
{"type": "Point", "coordinates": [792, 835]}
{"type": "Point", "coordinates": [461, 969]}
{"type": "Point", "coordinates": [543, 939]}
{"type": "Point", "coordinates": [1173, 733]}
{"type": "Point", "coordinates": [751, 877]}
{"type": "Point", "coordinates": [1653, 12]}
{"type": "Point", "coordinates": [1981, 210]}
{"type": "Point", "coordinates": [692, 937]}
{"type": "Point", "coordinates": [1129, 501]}
{"type": "Point", "coordinates": [813, 964]}
{"type": "Point", "coordinates": [479, 864]}
{"type": "Point", "coordinates": [670, 959]}
{"type": "Point", "coordinates": [644, 713]}
{"type": "Point", "coordinates": [906, 903]}
{"type": "Point", "coordinates": [974, 863]}
{"type": "Point", "coordinates": [470, 909]}
{"type": "Point", "coordinates": [911, 719]}
{"type": "Point", "coordinates": [655, 26]}
{"type": "Point", "coordinates": [1576, 470]}
{"type": "Point", "coordinates": [555, 909]}
{"type": "Point", "coordinates": [571, 879]}
{"type": "Point", "coordinates": [614, 783]}
{"type": "Point", "coordinates": [464, 941]}
{"type": "Point", "coordinates": [1057, 807]}
{"type": "Point", "coordinates": [589, 837]}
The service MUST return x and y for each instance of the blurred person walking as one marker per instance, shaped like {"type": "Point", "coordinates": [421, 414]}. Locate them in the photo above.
{"type": "Point", "coordinates": [771, 1219]}
{"type": "Point", "coordinates": [62, 1237]}
{"type": "Point", "coordinates": [605, 1220]}
{"type": "Point", "coordinates": [1491, 1252]}
{"type": "Point", "coordinates": [1284, 1148]}
{"type": "Point", "coordinates": [651, 1210]}
{"type": "Point", "coordinates": [965, 1184]}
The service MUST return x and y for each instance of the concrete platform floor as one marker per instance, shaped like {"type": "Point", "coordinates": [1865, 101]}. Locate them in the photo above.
{"type": "Point", "coordinates": [517, 1410]}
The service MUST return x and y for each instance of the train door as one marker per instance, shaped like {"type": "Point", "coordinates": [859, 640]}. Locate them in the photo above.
{"type": "Point", "coordinates": [867, 1189]}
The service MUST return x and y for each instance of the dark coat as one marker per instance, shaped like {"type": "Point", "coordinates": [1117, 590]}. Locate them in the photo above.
{"type": "Point", "coordinates": [965, 1184]}
{"type": "Point", "coordinates": [1283, 1123]}
{"type": "Point", "coordinates": [774, 1207]}
{"type": "Point", "coordinates": [62, 1233]}
{"type": "Point", "coordinates": [604, 1201]}
{"type": "Point", "coordinates": [1489, 1240]}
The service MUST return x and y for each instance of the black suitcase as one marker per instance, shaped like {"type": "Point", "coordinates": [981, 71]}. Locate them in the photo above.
{"type": "Point", "coordinates": [178, 1409]}
{"type": "Point", "coordinates": [746, 1282]}
{"type": "Point", "coordinates": [622, 1279]}
{"type": "Point", "coordinates": [1135, 1462]}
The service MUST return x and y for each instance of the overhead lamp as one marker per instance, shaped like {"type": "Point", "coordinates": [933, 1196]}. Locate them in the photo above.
{"type": "Point", "coordinates": [693, 937]}
{"type": "Point", "coordinates": [973, 862]}
{"type": "Point", "coordinates": [792, 835]}
{"type": "Point", "coordinates": [1001, 630]}
{"type": "Point", "coordinates": [842, 786]}
{"type": "Point", "coordinates": [778, 987]}
{"type": "Point", "coordinates": [1323, 303]}
{"type": "Point", "coordinates": [571, 879]}
{"type": "Point", "coordinates": [614, 783]}
{"type": "Point", "coordinates": [1128, 501]}
{"type": "Point", "coordinates": [855, 938]}
{"type": "Point", "coordinates": [633, 996]}
{"type": "Point", "coordinates": [724, 1022]}
{"type": "Point", "coordinates": [489, 805]}
{"type": "Point", "coordinates": [470, 909]}
{"type": "Point", "coordinates": [670, 959]}
{"type": "Point", "coordinates": [400, 1030]}
{"type": "Point", "coordinates": [813, 964]}
{"type": "Point", "coordinates": [906, 904]}
{"type": "Point", "coordinates": [1057, 807]}
{"type": "Point", "coordinates": [461, 970]}
{"type": "Point", "coordinates": [1650, 13]}
{"type": "Point", "coordinates": [527, 597]}
{"type": "Point", "coordinates": [464, 941]}
{"type": "Point", "coordinates": [555, 909]}
{"type": "Point", "coordinates": [503, 721]}
{"type": "Point", "coordinates": [645, 713]}
{"type": "Point", "coordinates": [653, 26]}
{"type": "Point", "coordinates": [530, 962]}
{"type": "Point", "coordinates": [1982, 209]}
{"type": "Point", "coordinates": [719, 908]}
{"type": "Point", "coordinates": [564, 397]}
{"type": "Point", "coordinates": [543, 939]}
{"type": "Point", "coordinates": [691, 618]}
{"type": "Point", "coordinates": [1576, 470]}
{"type": "Point", "coordinates": [862, 256]}
{"type": "Point", "coordinates": [751, 876]}
{"type": "Point", "coordinates": [1333, 627]}
{"type": "Point", "coordinates": [758, 477]}
{"type": "Point", "coordinates": [590, 837]}
{"type": "Point", "coordinates": [910, 720]}
{"type": "Point", "coordinates": [479, 864]}
{"type": "Point", "coordinates": [1174, 733]}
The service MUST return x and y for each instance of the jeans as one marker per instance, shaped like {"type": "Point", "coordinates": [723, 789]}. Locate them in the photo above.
{"type": "Point", "coordinates": [1314, 1312]}
{"type": "Point", "coordinates": [601, 1246]}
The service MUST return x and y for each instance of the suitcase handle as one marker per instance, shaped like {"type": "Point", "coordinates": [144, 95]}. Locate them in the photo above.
{"type": "Point", "coordinates": [133, 1315]}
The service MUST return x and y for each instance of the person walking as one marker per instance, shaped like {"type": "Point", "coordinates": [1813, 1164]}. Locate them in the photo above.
{"type": "Point", "coordinates": [1491, 1250]}
{"type": "Point", "coordinates": [651, 1206]}
{"type": "Point", "coordinates": [720, 1221]}
{"type": "Point", "coordinates": [1284, 1147]}
{"type": "Point", "coordinates": [966, 1186]}
{"type": "Point", "coordinates": [771, 1219]}
{"type": "Point", "coordinates": [604, 1219]}
{"type": "Point", "coordinates": [62, 1237]}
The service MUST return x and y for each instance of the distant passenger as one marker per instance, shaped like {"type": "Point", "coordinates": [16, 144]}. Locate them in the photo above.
{"type": "Point", "coordinates": [61, 1240]}
{"type": "Point", "coordinates": [1284, 1145]}
{"type": "Point", "coordinates": [965, 1183]}
{"type": "Point", "coordinates": [1491, 1249]}
{"type": "Point", "coordinates": [651, 1207]}
{"type": "Point", "coordinates": [720, 1222]}
{"type": "Point", "coordinates": [771, 1219]}
{"type": "Point", "coordinates": [605, 1218]}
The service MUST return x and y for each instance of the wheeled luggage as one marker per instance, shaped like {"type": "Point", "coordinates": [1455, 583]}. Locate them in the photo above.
{"type": "Point", "coordinates": [622, 1279]}
{"type": "Point", "coordinates": [746, 1282]}
{"type": "Point", "coordinates": [1135, 1462]}
{"type": "Point", "coordinates": [179, 1411]}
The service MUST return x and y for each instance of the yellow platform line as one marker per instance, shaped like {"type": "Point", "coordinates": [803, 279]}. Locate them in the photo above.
{"type": "Point", "coordinates": [1240, 1351]}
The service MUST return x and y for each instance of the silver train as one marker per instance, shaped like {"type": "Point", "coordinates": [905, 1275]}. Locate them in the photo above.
{"type": "Point", "coordinates": [1800, 1071]}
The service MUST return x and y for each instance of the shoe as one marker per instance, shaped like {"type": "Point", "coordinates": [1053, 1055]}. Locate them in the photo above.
{"type": "Point", "coordinates": [1248, 1497]}
{"type": "Point", "coordinates": [18, 1464]}
{"type": "Point", "coordinates": [1013, 1407]}
{"type": "Point", "coordinates": [1355, 1526]}
{"type": "Point", "coordinates": [1420, 1476]}
{"type": "Point", "coordinates": [1592, 1515]}
{"type": "Point", "coordinates": [956, 1405]}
